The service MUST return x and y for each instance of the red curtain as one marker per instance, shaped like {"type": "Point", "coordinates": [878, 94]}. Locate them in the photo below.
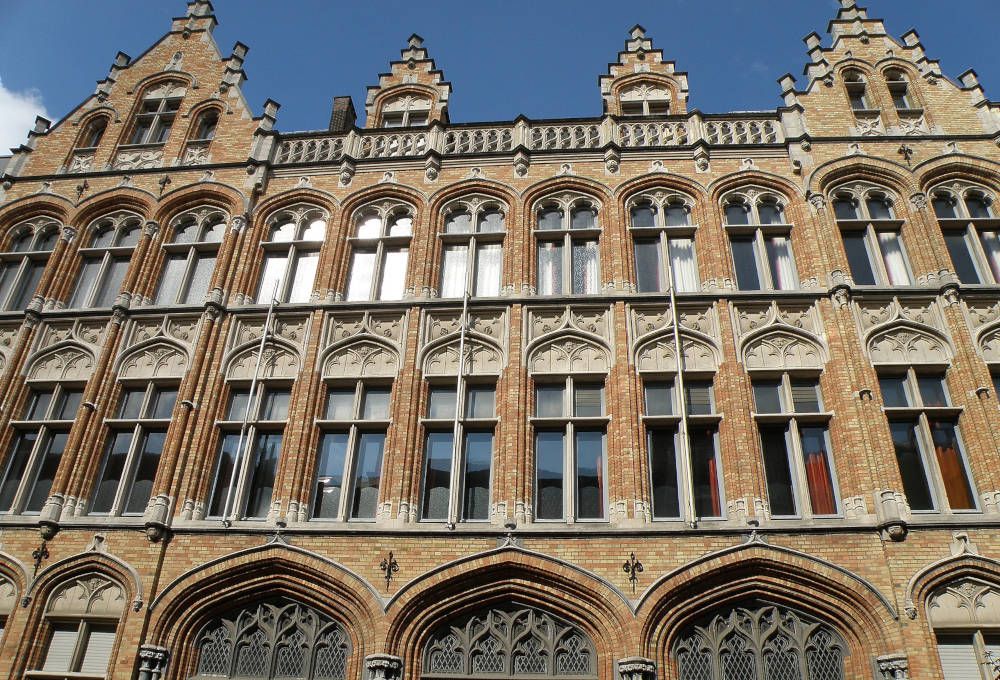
{"type": "Point", "coordinates": [953, 474]}
{"type": "Point", "coordinates": [713, 487]}
{"type": "Point", "coordinates": [820, 484]}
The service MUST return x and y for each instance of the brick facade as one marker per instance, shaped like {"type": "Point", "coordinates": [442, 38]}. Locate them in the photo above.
{"type": "Point", "coordinates": [870, 570]}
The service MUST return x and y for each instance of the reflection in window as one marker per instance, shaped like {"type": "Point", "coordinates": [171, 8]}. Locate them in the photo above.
{"type": "Point", "coordinates": [291, 253]}
{"type": "Point", "coordinates": [191, 257]}
{"type": "Point", "coordinates": [380, 252]}
{"type": "Point", "coordinates": [761, 243]}
{"type": "Point", "coordinates": [473, 250]}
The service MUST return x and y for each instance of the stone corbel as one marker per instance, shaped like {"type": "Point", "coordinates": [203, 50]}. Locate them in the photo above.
{"type": "Point", "coordinates": [892, 667]}
{"type": "Point", "coordinates": [152, 662]}
{"type": "Point", "coordinates": [521, 163]}
{"type": "Point", "coordinates": [383, 667]}
{"type": "Point", "coordinates": [636, 668]}
{"type": "Point", "coordinates": [889, 510]}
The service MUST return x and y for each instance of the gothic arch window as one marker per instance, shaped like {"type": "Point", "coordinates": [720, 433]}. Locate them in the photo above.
{"type": "Point", "coordinates": [81, 621]}
{"type": "Point", "coordinates": [472, 239]}
{"type": "Point", "coordinates": [760, 238]}
{"type": "Point", "coordinates": [291, 253]}
{"type": "Point", "coordinates": [406, 111]}
{"type": "Point", "coordinates": [567, 233]}
{"type": "Point", "coordinates": [380, 250]}
{"type": "Point", "coordinates": [925, 434]}
{"type": "Point", "coordinates": [760, 641]}
{"type": "Point", "coordinates": [201, 136]}
{"type": "Point", "coordinates": [857, 90]}
{"type": "Point", "coordinates": [93, 133]}
{"type": "Point", "coordinates": [190, 256]}
{"type": "Point", "coordinates": [105, 259]}
{"type": "Point", "coordinates": [871, 236]}
{"type": "Point", "coordinates": [155, 118]}
{"type": "Point", "coordinates": [23, 261]}
{"type": "Point", "coordinates": [509, 642]}
{"type": "Point", "coordinates": [965, 616]}
{"type": "Point", "coordinates": [41, 431]}
{"type": "Point", "coordinates": [899, 89]}
{"type": "Point", "coordinates": [645, 99]}
{"type": "Point", "coordinates": [274, 639]}
{"type": "Point", "coordinates": [967, 216]}
{"type": "Point", "coordinates": [663, 239]}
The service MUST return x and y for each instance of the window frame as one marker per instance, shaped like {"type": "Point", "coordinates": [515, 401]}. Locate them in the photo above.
{"type": "Point", "coordinates": [293, 250]}
{"type": "Point", "coordinates": [21, 265]}
{"type": "Point", "coordinates": [899, 90]}
{"type": "Point", "coordinates": [794, 420]}
{"type": "Point", "coordinates": [971, 229]}
{"type": "Point", "coordinates": [195, 251]}
{"type": "Point", "coordinates": [407, 111]}
{"type": "Point", "coordinates": [122, 224]}
{"type": "Point", "coordinates": [664, 235]}
{"type": "Point", "coordinates": [567, 237]}
{"type": "Point", "coordinates": [472, 240]}
{"type": "Point", "coordinates": [856, 88]}
{"type": "Point", "coordinates": [871, 227]}
{"type": "Point", "coordinates": [388, 215]}
{"type": "Point", "coordinates": [162, 118]}
{"type": "Point", "coordinates": [761, 234]}
{"type": "Point", "coordinates": [85, 623]}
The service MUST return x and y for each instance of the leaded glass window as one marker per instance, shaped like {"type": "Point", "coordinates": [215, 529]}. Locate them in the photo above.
{"type": "Point", "coordinates": [277, 639]}
{"type": "Point", "coordinates": [760, 642]}
{"type": "Point", "coordinates": [510, 642]}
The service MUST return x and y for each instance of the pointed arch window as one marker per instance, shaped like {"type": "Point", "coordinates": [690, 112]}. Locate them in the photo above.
{"type": "Point", "coordinates": [924, 429]}
{"type": "Point", "coordinates": [105, 260]}
{"type": "Point", "coordinates": [380, 253]}
{"type": "Point", "coordinates": [472, 241]}
{"type": "Point", "coordinates": [23, 262]}
{"type": "Point", "coordinates": [899, 89]}
{"type": "Point", "coordinates": [567, 237]}
{"type": "Point", "coordinates": [191, 257]}
{"type": "Point", "coordinates": [663, 238]}
{"type": "Point", "coordinates": [137, 434]}
{"type": "Point", "coordinates": [93, 133]}
{"type": "Point", "coordinates": [857, 90]}
{"type": "Point", "coordinates": [761, 241]}
{"type": "Point", "coordinates": [968, 219]}
{"type": "Point", "coordinates": [40, 437]}
{"type": "Point", "coordinates": [204, 129]}
{"type": "Point", "coordinates": [482, 645]}
{"type": "Point", "coordinates": [645, 99]}
{"type": "Point", "coordinates": [871, 237]}
{"type": "Point", "coordinates": [157, 113]}
{"type": "Point", "coordinates": [291, 254]}
{"type": "Point", "coordinates": [406, 111]}
{"type": "Point", "coordinates": [759, 640]}
{"type": "Point", "coordinates": [275, 639]}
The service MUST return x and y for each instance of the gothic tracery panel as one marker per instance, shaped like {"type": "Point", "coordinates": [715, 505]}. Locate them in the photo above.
{"type": "Point", "coordinates": [65, 363]}
{"type": "Point", "coordinates": [88, 595]}
{"type": "Point", "coordinates": [511, 642]}
{"type": "Point", "coordinates": [157, 360]}
{"type": "Point", "coordinates": [782, 351]}
{"type": "Point", "coordinates": [361, 359]}
{"type": "Point", "coordinates": [966, 602]}
{"type": "Point", "coordinates": [907, 345]}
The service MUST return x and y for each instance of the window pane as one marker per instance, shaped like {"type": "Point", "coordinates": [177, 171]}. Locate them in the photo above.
{"type": "Point", "coordinates": [267, 448]}
{"type": "Point", "coordinates": [643, 216]}
{"type": "Point", "coordinates": [488, 263]}
{"type": "Point", "coordinates": [659, 399]}
{"type": "Point", "coordinates": [663, 472]}
{"type": "Point", "coordinates": [441, 403]}
{"type": "Point", "coordinates": [17, 464]}
{"type": "Point", "coordinates": [282, 233]}
{"type": "Point", "coordinates": [978, 207]}
{"type": "Point", "coordinates": [549, 401]}
{"type": "Point", "coordinates": [549, 475]}
{"type": "Point", "coordinates": [894, 391]}
{"type": "Point", "coordinates": [111, 475]}
{"type": "Point", "coordinates": [39, 405]}
{"type": "Point", "coordinates": [303, 274]}
{"type": "Point", "coordinates": [682, 260]}
{"type": "Point", "coordinates": [648, 271]}
{"type": "Point", "coordinates": [745, 261]}
{"type": "Point", "coordinates": [201, 277]}
{"type": "Point", "coordinates": [314, 231]}
{"type": "Point", "coordinates": [458, 223]}
{"type": "Point", "coordinates": [894, 258]}
{"type": "Point", "coordinates": [770, 213]}
{"type": "Point", "coordinates": [8, 272]}
{"type": "Point", "coordinates": [27, 286]}
{"type": "Point", "coordinates": [582, 218]}
{"type": "Point", "coordinates": [275, 405]}
{"type": "Point", "coordinates": [476, 483]}
{"type": "Point", "coordinates": [767, 396]}
{"type": "Point", "coordinates": [238, 402]}
{"type": "Point", "coordinates": [46, 472]}
{"type": "Point", "coordinates": [375, 405]}
{"type": "Point", "coordinates": [491, 221]}
{"type": "Point", "coordinates": [818, 476]}
{"type": "Point", "coordinates": [370, 227]}
{"type": "Point", "coordinates": [588, 401]}
{"type": "Point", "coordinates": [401, 225]}
{"type": "Point", "coordinates": [958, 657]}
{"type": "Point", "coordinates": [111, 282]}
{"type": "Point", "coordinates": [186, 232]}
{"type": "Point", "coordinates": [329, 475]}
{"type": "Point", "coordinates": [961, 257]}
{"type": "Point", "coordinates": [145, 472]}
{"type": "Point", "coordinates": [437, 475]}
{"type": "Point", "coordinates": [359, 285]}
{"type": "Point", "coordinates": [453, 273]}
{"type": "Point", "coordinates": [394, 274]}
{"type": "Point", "coordinates": [68, 404]}
{"type": "Point", "coordinates": [737, 213]}
{"type": "Point", "coordinates": [944, 208]}
{"type": "Point", "coordinates": [270, 281]}
{"type": "Point", "coordinates": [805, 396]}
{"type": "Point", "coordinates": [957, 486]}
{"type": "Point", "coordinates": [85, 282]}
{"type": "Point", "coordinates": [550, 268]}
{"type": "Point", "coordinates": [878, 209]}
{"type": "Point", "coordinates": [223, 474]}
{"type": "Point", "coordinates": [991, 248]}
{"type": "Point", "coordinates": [480, 402]}
{"type": "Point", "coordinates": [367, 474]}
{"type": "Point", "coordinates": [779, 256]}
{"type": "Point", "coordinates": [173, 277]}
{"type": "Point", "coordinates": [704, 472]}
{"type": "Point", "coordinates": [911, 465]}
{"type": "Point", "coordinates": [676, 214]}
{"type": "Point", "coordinates": [777, 469]}
{"type": "Point", "coordinates": [97, 648]}
{"type": "Point", "coordinates": [585, 273]}
{"type": "Point", "coordinates": [215, 230]}
{"type": "Point", "coordinates": [698, 397]}
{"type": "Point", "coordinates": [130, 407]}
{"type": "Point", "coordinates": [163, 403]}
{"type": "Point", "coordinates": [845, 209]}
{"type": "Point", "coordinates": [856, 247]}
{"type": "Point", "coordinates": [62, 644]}
{"type": "Point", "coordinates": [590, 474]}
{"type": "Point", "coordinates": [932, 390]}
{"type": "Point", "coordinates": [340, 404]}
{"type": "Point", "coordinates": [550, 219]}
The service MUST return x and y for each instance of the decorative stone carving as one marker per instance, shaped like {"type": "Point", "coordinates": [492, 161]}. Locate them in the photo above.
{"type": "Point", "coordinates": [66, 363]}
{"type": "Point", "coordinates": [383, 667]}
{"type": "Point", "coordinates": [587, 320]}
{"type": "Point", "coordinates": [8, 596]}
{"type": "Point", "coordinates": [893, 667]}
{"type": "Point", "coordinates": [968, 603]}
{"type": "Point", "coordinates": [362, 358]}
{"type": "Point", "coordinates": [195, 154]}
{"type": "Point", "coordinates": [636, 668]}
{"type": "Point", "coordinates": [152, 662]}
{"type": "Point", "coordinates": [913, 332]}
{"type": "Point", "coordinates": [869, 125]}
{"type": "Point", "coordinates": [139, 159]}
{"type": "Point", "coordinates": [88, 595]}
{"type": "Point", "coordinates": [277, 362]}
{"type": "Point", "coordinates": [569, 354]}
{"type": "Point", "coordinates": [782, 351]}
{"type": "Point", "coordinates": [779, 337]}
{"type": "Point", "coordinates": [906, 345]}
{"type": "Point", "coordinates": [157, 360]}
{"type": "Point", "coordinates": [82, 161]}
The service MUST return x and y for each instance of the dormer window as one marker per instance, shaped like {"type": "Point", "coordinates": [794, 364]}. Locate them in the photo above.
{"type": "Point", "coordinates": [156, 117]}
{"type": "Point", "coordinates": [899, 89]}
{"type": "Point", "coordinates": [93, 133]}
{"type": "Point", "coordinates": [205, 130]}
{"type": "Point", "coordinates": [406, 111]}
{"type": "Point", "coordinates": [645, 100]}
{"type": "Point", "coordinates": [857, 88]}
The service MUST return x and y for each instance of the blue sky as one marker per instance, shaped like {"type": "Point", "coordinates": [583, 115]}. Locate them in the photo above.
{"type": "Point", "coordinates": [536, 57]}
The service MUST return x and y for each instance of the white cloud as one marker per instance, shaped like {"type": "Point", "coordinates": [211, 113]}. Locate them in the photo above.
{"type": "Point", "coordinates": [17, 116]}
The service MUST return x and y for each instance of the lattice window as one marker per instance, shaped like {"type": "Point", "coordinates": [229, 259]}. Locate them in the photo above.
{"type": "Point", "coordinates": [760, 642]}
{"type": "Point", "coordinates": [509, 643]}
{"type": "Point", "coordinates": [278, 639]}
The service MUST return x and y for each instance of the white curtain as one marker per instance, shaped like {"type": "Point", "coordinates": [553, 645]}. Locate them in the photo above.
{"type": "Point", "coordinates": [782, 265]}
{"type": "Point", "coordinates": [549, 268]}
{"type": "Point", "coordinates": [895, 261]}
{"type": "Point", "coordinates": [302, 277]}
{"type": "Point", "coordinates": [453, 273]}
{"type": "Point", "coordinates": [991, 246]}
{"type": "Point", "coordinates": [585, 269]}
{"type": "Point", "coordinates": [684, 265]}
{"type": "Point", "coordinates": [274, 272]}
{"type": "Point", "coordinates": [488, 259]}
{"type": "Point", "coordinates": [362, 268]}
{"type": "Point", "coordinates": [394, 274]}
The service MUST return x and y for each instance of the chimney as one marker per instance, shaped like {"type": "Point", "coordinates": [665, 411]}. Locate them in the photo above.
{"type": "Point", "coordinates": [343, 116]}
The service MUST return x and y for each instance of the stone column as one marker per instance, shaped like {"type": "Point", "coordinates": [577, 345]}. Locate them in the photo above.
{"type": "Point", "coordinates": [636, 668]}
{"type": "Point", "coordinates": [382, 667]}
{"type": "Point", "coordinates": [152, 662]}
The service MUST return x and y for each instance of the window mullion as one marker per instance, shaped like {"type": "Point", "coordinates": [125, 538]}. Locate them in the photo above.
{"type": "Point", "coordinates": [763, 260]}
{"type": "Point", "coordinates": [189, 268]}
{"type": "Point", "coordinates": [377, 268]}
{"type": "Point", "coordinates": [249, 450]}
{"type": "Point", "coordinates": [470, 267]}
{"type": "Point", "coordinates": [666, 266]}
{"type": "Point", "coordinates": [128, 469]}
{"type": "Point", "coordinates": [569, 473]}
{"type": "Point", "coordinates": [567, 273]}
{"type": "Point", "coordinates": [926, 444]}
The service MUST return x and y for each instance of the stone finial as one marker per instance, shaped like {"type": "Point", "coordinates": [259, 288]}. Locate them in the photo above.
{"type": "Point", "coordinates": [636, 668]}
{"type": "Point", "coordinates": [199, 8]}
{"type": "Point", "coordinates": [383, 667]}
{"type": "Point", "coordinates": [415, 41]}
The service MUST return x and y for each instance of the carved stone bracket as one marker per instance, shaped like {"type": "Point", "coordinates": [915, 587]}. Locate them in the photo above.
{"type": "Point", "coordinates": [152, 662]}
{"type": "Point", "coordinates": [893, 667]}
{"type": "Point", "coordinates": [383, 667]}
{"type": "Point", "coordinates": [636, 668]}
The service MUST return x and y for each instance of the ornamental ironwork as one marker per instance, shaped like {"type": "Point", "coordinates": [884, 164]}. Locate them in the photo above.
{"type": "Point", "coordinates": [510, 643]}
{"type": "Point", "coordinates": [763, 642]}
{"type": "Point", "coordinates": [279, 639]}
